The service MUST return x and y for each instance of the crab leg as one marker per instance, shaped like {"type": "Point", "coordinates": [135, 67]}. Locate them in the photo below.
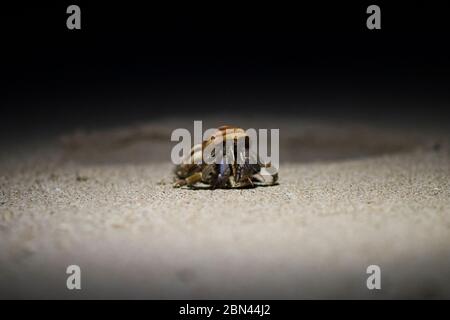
{"type": "Point", "coordinates": [265, 180]}
{"type": "Point", "coordinates": [191, 180]}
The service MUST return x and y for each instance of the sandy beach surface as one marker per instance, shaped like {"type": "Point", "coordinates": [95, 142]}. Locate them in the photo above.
{"type": "Point", "coordinates": [350, 195]}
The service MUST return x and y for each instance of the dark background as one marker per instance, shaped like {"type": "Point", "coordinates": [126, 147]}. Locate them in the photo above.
{"type": "Point", "coordinates": [133, 61]}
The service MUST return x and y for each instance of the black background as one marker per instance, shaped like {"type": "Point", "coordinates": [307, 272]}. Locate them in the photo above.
{"type": "Point", "coordinates": [132, 61]}
{"type": "Point", "coordinates": [169, 309]}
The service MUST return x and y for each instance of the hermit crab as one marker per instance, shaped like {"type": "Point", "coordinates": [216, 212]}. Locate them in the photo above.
{"type": "Point", "coordinates": [236, 165]}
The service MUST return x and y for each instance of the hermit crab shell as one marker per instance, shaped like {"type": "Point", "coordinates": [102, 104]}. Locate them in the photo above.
{"type": "Point", "coordinates": [224, 133]}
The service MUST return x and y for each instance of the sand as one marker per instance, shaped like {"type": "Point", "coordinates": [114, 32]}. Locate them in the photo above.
{"type": "Point", "coordinates": [350, 195]}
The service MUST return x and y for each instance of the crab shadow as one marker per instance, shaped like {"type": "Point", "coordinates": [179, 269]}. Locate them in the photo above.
{"type": "Point", "coordinates": [209, 188]}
